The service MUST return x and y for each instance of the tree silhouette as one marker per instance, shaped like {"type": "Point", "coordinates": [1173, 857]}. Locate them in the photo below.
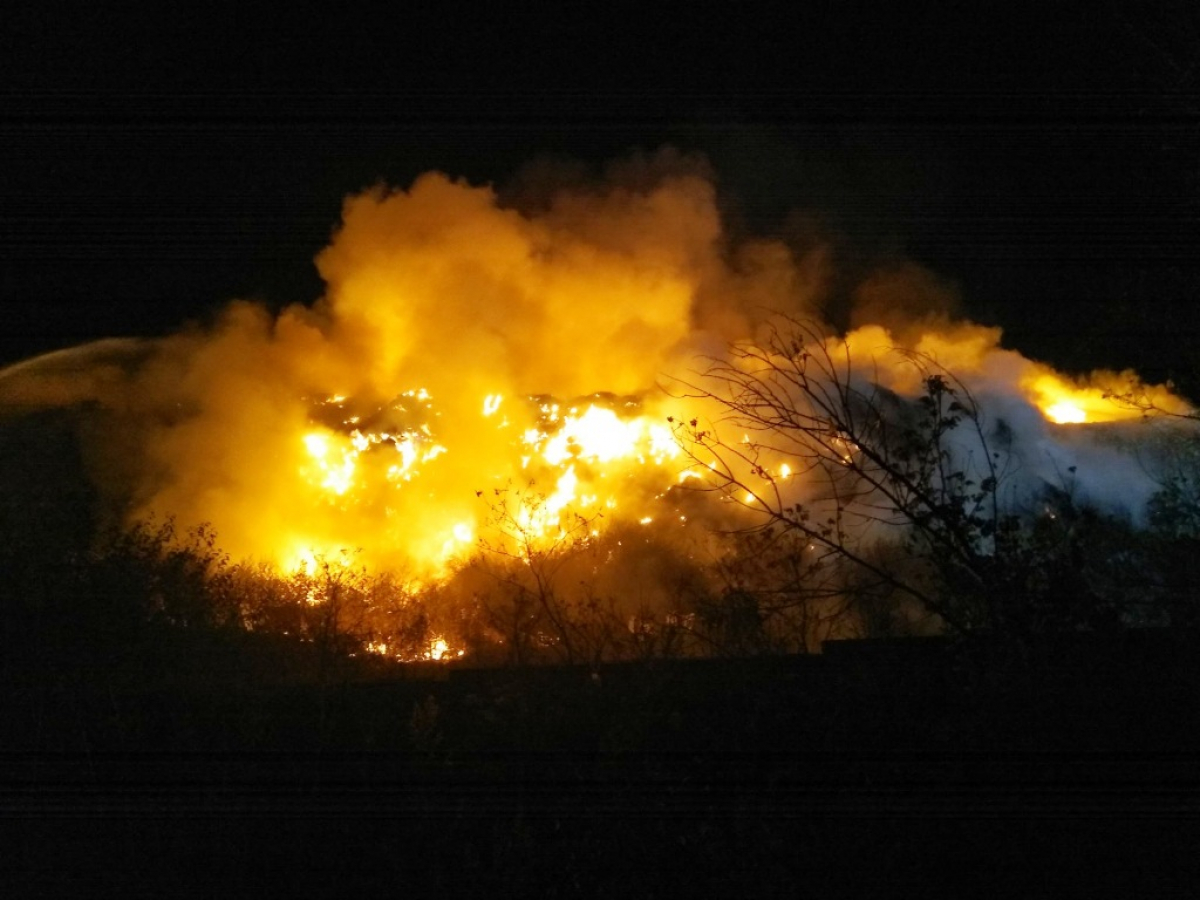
{"type": "Point", "coordinates": [854, 469]}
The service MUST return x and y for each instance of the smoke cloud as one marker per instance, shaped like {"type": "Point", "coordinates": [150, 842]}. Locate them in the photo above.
{"type": "Point", "coordinates": [484, 363]}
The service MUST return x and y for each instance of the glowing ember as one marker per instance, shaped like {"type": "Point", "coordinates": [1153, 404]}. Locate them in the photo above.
{"type": "Point", "coordinates": [437, 650]}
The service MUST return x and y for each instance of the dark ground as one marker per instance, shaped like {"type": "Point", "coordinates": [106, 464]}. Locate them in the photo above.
{"type": "Point", "coordinates": [876, 769]}
{"type": "Point", "coordinates": [141, 758]}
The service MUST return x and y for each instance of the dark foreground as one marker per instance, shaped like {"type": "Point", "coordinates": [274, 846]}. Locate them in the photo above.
{"type": "Point", "coordinates": [1056, 770]}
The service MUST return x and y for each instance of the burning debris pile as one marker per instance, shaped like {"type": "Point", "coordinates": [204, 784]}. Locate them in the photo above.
{"type": "Point", "coordinates": [506, 397]}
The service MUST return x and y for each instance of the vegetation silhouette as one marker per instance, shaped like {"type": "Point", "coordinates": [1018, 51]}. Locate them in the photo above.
{"type": "Point", "coordinates": [185, 716]}
{"type": "Point", "coordinates": [906, 526]}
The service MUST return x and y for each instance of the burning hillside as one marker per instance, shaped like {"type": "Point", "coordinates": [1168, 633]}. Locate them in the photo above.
{"type": "Point", "coordinates": [490, 377]}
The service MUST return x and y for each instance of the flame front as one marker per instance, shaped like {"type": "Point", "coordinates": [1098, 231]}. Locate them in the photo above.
{"type": "Point", "coordinates": [477, 377]}
{"type": "Point", "coordinates": [556, 464]}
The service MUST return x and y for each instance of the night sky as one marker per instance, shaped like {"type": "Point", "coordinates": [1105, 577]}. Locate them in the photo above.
{"type": "Point", "coordinates": [154, 167]}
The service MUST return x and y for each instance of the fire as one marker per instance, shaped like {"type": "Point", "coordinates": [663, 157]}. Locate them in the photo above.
{"type": "Point", "coordinates": [567, 463]}
{"type": "Point", "coordinates": [438, 649]}
{"type": "Point", "coordinates": [1066, 412]}
{"type": "Point", "coordinates": [550, 465]}
{"type": "Point", "coordinates": [1110, 397]}
{"type": "Point", "coordinates": [598, 442]}
{"type": "Point", "coordinates": [600, 435]}
{"type": "Point", "coordinates": [1066, 404]}
{"type": "Point", "coordinates": [478, 376]}
{"type": "Point", "coordinates": [334, 470]}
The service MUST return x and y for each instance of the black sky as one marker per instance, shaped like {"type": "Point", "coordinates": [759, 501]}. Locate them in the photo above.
{"type": "Point", "coordinates": [154, 166]}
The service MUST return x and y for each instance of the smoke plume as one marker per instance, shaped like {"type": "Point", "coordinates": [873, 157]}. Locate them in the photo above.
{"type": "Point", "coordinates": [481, 366]}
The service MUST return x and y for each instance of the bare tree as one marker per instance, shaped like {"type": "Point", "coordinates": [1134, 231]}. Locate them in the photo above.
{"type": "Point", "coordinates": [536, 543]}
{"type": "Point", "coordinates": [825, 452]}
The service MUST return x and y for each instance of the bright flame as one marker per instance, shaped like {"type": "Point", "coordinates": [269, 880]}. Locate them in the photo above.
{"type": "Point", "coordinates": [1065, 412]}
{"type": "Point", "coordinates": [1067, 403]}
{"type": "Point", "coordinates": [476, 373]}
{"type": "Point", "coordinates": [597, 435]}
{"type": "Point", "coordinates": [334, 467]}
{"type": "Point", "coordinates": [437, 650]}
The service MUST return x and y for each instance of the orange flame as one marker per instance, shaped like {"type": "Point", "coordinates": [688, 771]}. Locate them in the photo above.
{"type": "Point", "coordinates": [475, 374]}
